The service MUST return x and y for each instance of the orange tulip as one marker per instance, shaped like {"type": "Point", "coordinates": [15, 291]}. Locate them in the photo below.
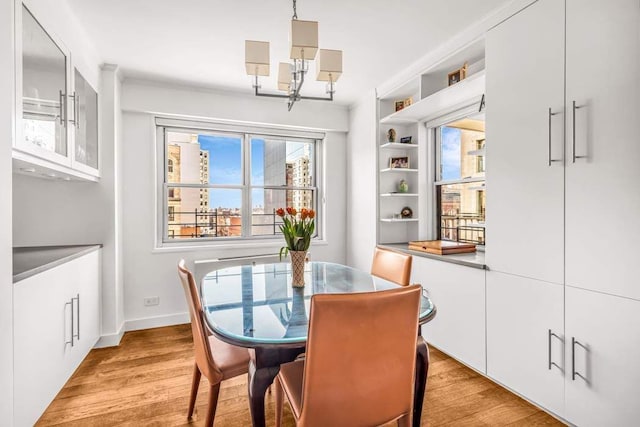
{"type": "Point", "coordinates": [280, 212]}
{"type": "Point", "coordinates": [290, 210]}
{"type": "Point", "coordinates": [304, 213]}
{"type": "Point", "coordinates": [312, 214]}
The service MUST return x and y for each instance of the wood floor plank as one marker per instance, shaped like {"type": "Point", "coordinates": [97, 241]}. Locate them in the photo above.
{"type": "Point", "coordinates": [146, 381]}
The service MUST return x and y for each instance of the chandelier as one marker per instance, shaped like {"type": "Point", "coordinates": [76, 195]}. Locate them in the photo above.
{"type": "Point", "coordinates": [304, 48]}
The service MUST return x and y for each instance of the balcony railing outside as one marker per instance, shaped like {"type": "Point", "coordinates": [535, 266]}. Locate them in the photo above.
{"type": "Point", "coordinates": [213, 224]}
{"type": "Point", "coordinates": [466, 228]}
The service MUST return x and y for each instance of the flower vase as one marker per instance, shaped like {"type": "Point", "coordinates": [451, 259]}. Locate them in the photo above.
{"type": "Point", "coordinates": [297, 268]}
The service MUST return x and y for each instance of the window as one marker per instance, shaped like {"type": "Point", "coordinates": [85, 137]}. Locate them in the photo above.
{"type": "Point", "coordinates": [227, 185]}
{"type": "Point", "coordinates": [460, 181]}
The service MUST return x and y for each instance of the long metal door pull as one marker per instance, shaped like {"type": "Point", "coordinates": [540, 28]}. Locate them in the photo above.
{"type": "Point", "coordinates": [550, 160]}
{"type": "Point", "coordinates": [551, 363]}
{"type": "Point", "coordinates": [575, 374]}
{"type": "Point", "coordinates": [573, 133]}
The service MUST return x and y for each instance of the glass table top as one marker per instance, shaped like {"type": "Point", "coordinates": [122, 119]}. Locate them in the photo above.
{"type": "Point", "coordinates": [256, 305]}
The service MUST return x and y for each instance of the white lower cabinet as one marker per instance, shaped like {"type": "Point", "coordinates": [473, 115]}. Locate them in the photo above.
{"type": "Point", "coordinates": [458, 291]}
{"type": "Point", "coordinates": [525, 337]}
{"type": "Point", "coordinates": [605, 389]}
{"type": "Point", "coordinates": [56, 323]}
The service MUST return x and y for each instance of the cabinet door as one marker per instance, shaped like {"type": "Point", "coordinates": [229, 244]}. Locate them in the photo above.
{"type": "Point", "coordinates": [87, 276]}
{"type": "Point", "coordinates": [43, 85]}
{"type": "Point", "coordinates": [607, 327]}
{"type": "Point", "coordinates": [85, 121]}
{"type": "Point", "coordinates": [459, 295]}
{"type": "Point", "coordinates": [525, 174]}
{"type": "Point", "coordinates": [42, 341]}
{"type": "Point", "coordinates": [602, 200]}
{"type": "Point", "coordinates": [520, 351]}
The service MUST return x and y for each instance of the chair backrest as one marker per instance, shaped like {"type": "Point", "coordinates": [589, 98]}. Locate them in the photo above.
{"type": "Point", "coordinates": [360, 358]}
{"type": "Point", "coordinates": [391, 265]}
{"type": "Point", "coordinates": [203, 354]}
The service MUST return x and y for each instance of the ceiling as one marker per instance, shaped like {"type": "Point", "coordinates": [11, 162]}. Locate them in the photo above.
{"type": "Point", "coordinates": [201, 42]}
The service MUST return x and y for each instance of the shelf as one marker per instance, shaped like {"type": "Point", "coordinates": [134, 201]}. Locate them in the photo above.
{"type": "Point", "coordinates": [448, 98]}
{"type": "Point", "coordinates": [399, 220]}
{"type": "Point", "coordinates": [398, 145]}
{"type": "Point", "coordinates": [399, 195]}
{"type": "Point", "coordinates": [398, 170]}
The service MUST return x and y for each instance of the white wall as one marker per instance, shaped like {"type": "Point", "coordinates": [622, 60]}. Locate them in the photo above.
{"type": "Point", "coordinates": [361, 182]}
{"type": "Point", "coordinates": [7, 102]}
{"type": "Point", "coordinates": [149, 272]}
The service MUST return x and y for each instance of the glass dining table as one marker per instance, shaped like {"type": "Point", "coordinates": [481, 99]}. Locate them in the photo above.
{"type": "Point", "coordinates": [255, 306]}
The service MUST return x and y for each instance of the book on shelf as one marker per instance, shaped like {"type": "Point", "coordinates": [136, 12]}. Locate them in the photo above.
{"type": "Point", "coordinates": [442, 247]}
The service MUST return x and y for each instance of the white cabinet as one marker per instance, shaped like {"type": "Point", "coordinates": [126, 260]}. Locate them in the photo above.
{"type": "Point", "coordinates": [573, 183]}
{"type": "Point", "coordinates": [56, 323]}
{"type": "Point", "coordinates": [606, 355]}
{"type": "Point", "coordinates": [525, 332]}
{"type": "Point", "coordinates": [602, 197]}
{"type": "Point", "coordinates": [57, 110]}
{"type": "Point", "coordinates": [459, 294]}
{"type": "Point", "coordinates": [524, 178]}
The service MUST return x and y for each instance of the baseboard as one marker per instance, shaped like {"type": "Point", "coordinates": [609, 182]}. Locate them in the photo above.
{"type": "Point", "coordinates": [157, 322]}
{"type": "Point", "coordinates": [110, 340]}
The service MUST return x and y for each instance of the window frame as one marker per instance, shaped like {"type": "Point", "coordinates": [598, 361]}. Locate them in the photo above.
{"type": "Point", "coordinates": [246, 186]}
{"type": "Point", "coordinates": [434, 135]}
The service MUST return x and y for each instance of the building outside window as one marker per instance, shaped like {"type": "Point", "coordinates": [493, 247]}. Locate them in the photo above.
{"type": "Point", "coordinates": [227, 185]}
{"type": "Point", "coordinates": [460, 181]}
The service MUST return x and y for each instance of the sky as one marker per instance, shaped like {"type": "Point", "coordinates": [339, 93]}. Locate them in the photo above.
{"type": "Point", "coordinates": [225, 167]}
{"type": "Point", "coordinates": [450, 154]}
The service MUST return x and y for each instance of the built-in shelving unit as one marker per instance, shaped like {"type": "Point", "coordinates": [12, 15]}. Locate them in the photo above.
{"type": "Point", "coordinates": [430, 97]}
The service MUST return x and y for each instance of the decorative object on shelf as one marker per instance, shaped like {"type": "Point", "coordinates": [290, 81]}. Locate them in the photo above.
{"type": "Point", "coordinates": [405, 140]}
{"type": "Point", "coordinates": [399, 105]}
{"type": "Point", "coordinates": [399, 163]}
{"type": "Point", "coordinates": [407, 101]}
{"type": "Point", "coordinates": [297, 229]}
{"type": "Point", "coordinates": [403, 187]}
{"type": "Point", "coordinates": [457, 75]}
{"type": "Point", "coordinates": [391, 135]}
{"type": "Point", "coordinates": [406, 212]}
{"type": "Point", "coordinates": [304, 46]}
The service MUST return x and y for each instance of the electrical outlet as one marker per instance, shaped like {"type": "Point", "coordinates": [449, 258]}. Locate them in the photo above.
{"type": "Point", "coordinates": [148, 301]}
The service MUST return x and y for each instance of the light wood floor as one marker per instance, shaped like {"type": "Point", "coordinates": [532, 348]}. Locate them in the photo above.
{"type": "Point", "coordinates": [146, 381]}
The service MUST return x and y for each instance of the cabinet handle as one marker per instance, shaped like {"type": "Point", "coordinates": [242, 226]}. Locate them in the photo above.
{"type": "Point", "coordinates": [550, 160]}
{"type": "Point", "coordinates": [77, 298]}
{"type": "Point", "coordinates": [550, 335]}
{"type": "Point", "coordinates": [575, 374]}
{"type": "Point", "coordinates": [70, 302]}
{"type": "Point", "coordinates": [573, 134]}
{"type": "Point", "coordinates": [76, 110]}
{"type": "Point", "coordinates": [63, 104]}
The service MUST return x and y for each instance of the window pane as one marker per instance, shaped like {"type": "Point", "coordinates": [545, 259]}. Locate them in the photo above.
{"type": "Point", "coordinates": [203, 213]}
{"type": "Point", "coordinates": [194, 158]}
{"type": "Point", "coordinates": [278, 162]}
{"type": "Point", "coordinates": [264, 221]}
{"type": "Point", "coordinates": [462, 150]}
{"type": "Point", "coordinates": [462, 212]}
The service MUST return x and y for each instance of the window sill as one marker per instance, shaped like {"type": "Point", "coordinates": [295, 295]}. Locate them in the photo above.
{"type": "Point", "coordinates": [209, 246]}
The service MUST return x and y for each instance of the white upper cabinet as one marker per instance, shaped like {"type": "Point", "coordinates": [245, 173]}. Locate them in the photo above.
{"type": "Point", "coordinates": [57, 109]}
{"type": "Point", "coordinates": [602, 195]}
{"type": "Point", "coordinates": [44, 93]}
{"type": "Point", "coordinates": [525, 100]}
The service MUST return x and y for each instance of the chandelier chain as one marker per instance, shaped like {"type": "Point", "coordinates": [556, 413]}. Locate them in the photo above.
{"type": "Point", "coordinates": [295, 13]}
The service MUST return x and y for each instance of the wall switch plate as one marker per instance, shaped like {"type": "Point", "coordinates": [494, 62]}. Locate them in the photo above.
{"type": "Point", "coordinates": [148, 301]}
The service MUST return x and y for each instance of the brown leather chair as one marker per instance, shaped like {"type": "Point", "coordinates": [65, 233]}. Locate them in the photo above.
{"type": "Point", "coordinates": [356, 372]}
{"type": "Point", "coordinates": [391, 265]}
{"type": "Point", "coordinates": [215, 359]}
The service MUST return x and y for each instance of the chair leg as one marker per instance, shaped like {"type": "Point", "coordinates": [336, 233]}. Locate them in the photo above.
{"type": "Point", "coordinates": [194, 389]}
{"type": "Point", "coordinates": [214, 390]}
{"type": "Point", "coordinates": [279, 402]}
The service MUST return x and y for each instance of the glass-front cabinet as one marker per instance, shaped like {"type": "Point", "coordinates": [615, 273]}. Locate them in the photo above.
{"type": "Point", "coordinates": [59, 127]}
